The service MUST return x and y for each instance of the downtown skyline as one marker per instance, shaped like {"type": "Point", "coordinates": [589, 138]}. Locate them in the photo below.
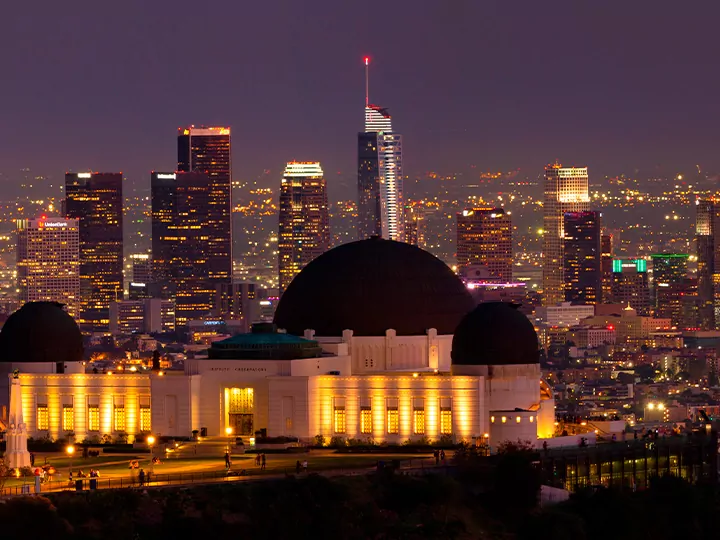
{"type": "Point", "coordinates": [476, 97]}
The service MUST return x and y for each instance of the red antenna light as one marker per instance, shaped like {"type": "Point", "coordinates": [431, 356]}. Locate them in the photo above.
{"type": "Point", "coordinates": [367, 81]}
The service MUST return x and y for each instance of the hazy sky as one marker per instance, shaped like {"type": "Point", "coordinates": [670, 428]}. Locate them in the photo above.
{"type": "Point", "coordinates": [499, 84]}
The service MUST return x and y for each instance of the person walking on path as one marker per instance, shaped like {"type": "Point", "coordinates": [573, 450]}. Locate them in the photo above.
{"type": "Point", "coordinates": [262, 467]}
{"type": "Point", "coordinates": [297, 467]}
{"type": "Point", "coordinates": [305, 466]}
{"type": "Point", "coordinates": [141, 477]}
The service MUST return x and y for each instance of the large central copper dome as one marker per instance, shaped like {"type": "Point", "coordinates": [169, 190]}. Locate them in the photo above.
{"type": "Point", "coordinates": [371, 286]}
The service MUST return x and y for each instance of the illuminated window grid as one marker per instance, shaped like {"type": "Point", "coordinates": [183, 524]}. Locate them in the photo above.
{"type": "Point", "coordinates": [339, 419]}
{"type": "Point", "coordinates": [366, 422]}
{"type": "Point", "coordinates": [43, 418]}
{"type": "Point", "coordinates": [393, 420]}
{"type": "Point", "coordinates": [419, 421]}
{"type": "Point", "coordinates": [119, 418]}
{"type": "Point", "coordinates": [145, 419]}
{"type": "Point", "coordinates": [445, 420]}
{"type": "Point", "coordinates": [93, 418]}
{"type": "Point", "coordinates": [68, 418]}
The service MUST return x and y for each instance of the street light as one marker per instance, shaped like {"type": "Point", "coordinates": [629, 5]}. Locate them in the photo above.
{"type": "Point", "coordinates": [70, 449]}
{"type": "Point", "coordinates": [228, 432]}
{"type": "Point", "coordinates": [151, 442]}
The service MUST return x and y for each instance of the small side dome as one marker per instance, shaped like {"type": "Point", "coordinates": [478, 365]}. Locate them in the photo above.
{"type": "Point", "coordinates": [41, 332]}
{"type": "Point", "coordinates": [495, 333]}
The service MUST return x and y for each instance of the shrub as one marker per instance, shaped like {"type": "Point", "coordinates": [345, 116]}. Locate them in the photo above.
{"type": "Point", "coordinates": [121, 437]}
{"type": "Point", "coordinates": [337, 442]}
{"type": "Point", "coordinates": [361, 442]}
{"type": "Point", "coordinates": [445, 440]}
{"type": "Point", "coordinates": [106, 439]}
{"type": "Point", "coordinates": [319, 440]}
{"type": "Point", "coordinates": [91, 439]}
{"type": "Point", "coordinates": [275, 440]}
{"type": "Point", "coordinates": [422, 441]}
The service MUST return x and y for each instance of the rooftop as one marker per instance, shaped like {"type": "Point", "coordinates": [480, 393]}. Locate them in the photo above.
{"type": "Point", "coordinates": [264, 342]}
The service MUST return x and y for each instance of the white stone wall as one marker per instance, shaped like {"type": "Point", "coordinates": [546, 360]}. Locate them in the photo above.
{"type": "Point", "coordinates": [512, 426]}
{"type": "Point", "coordinates": [288, 407]}
{"type": "Point", "coordinates": [380, 354]}
{"type": "Point", "coordinates": [171, 407]}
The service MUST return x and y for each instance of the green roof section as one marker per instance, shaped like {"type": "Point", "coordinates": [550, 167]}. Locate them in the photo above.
{"type": "Point", "coordinates": [264, 342]}
{"type": "Point", "coordinates": [263, 339]}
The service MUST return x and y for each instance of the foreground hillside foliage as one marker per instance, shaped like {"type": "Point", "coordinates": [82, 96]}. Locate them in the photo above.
{"type": "Point", "coordinates": [473, 501]}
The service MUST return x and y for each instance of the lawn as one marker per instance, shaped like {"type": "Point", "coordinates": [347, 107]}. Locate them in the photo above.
{"type": "Point", "coordinates": [117, 466]}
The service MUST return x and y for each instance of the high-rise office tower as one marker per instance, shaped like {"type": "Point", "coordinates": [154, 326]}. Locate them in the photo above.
{"type": "Point", "coordinates": [48, 261]}
{"type": "Point", "coordinates": [669, 284]}
{"type": "Point", "coordinates": [380, 181]}
{"type": "Point", "coordinates": [141, 268]}
{"type": "Point", "coordinates": [236, 301]}
{"type": "Point", "coordinates": [181, 228]}
{"type": "Point", "coordinates": [566, 190]}
{"type": "Point", "coordinates": [606, 259]}
{"type": "Point", "coordinates": [582, 257]}
{"type": "Point", "coordinates": [207, 149]}
{"type": "Point", "coordinates": [630, 285]}
{"type": "Point", "coordinates": [484, 238]}
{"type": "Point", "coordinates": [96, 200]}
{"type": "Point", "coordinates": [139, 273]}
{"type": "Point", "coordinates": [304, 231]}
{"type": "Point", "coordinates": [707, 235]}
{"type": "Point", "coordinates": [689, 314]}
{"type": "Point", "coordinates": [415, 227]}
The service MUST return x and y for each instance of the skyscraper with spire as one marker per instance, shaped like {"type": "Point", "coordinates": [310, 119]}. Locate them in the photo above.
{"type": "Point", "coordinates": [380, 183]}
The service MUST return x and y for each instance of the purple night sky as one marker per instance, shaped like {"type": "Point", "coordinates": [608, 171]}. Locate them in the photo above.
{"type": "Point", "coordinates": [497, 84]}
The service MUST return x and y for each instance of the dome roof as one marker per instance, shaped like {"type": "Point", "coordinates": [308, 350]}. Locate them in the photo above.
{"type": "Point", "coordinates": [495, 333]}
{"type": "Point", "coordinates": [372, 286]}
{"type": "Point", "coordinates": [41, 332]}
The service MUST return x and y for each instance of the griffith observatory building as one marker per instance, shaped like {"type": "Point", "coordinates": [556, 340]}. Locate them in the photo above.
{"type": "Point", "coordinates": [374, 339]}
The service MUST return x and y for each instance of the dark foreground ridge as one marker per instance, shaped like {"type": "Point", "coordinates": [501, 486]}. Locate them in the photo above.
{"type": "Point", "coordinates": [472, 502]}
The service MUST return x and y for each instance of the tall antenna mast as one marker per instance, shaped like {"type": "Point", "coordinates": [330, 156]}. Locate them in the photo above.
{"type": "Point", "coordinates": [367, 81]}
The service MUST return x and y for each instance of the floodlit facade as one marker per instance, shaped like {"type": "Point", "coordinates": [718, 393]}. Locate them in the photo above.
{"type": "Point", "coordinates": [304, 221]}
{"type": "Point", "coordinates": [566, 190]}
{"type": "Point", "coordinates": [474, 375]}
{"type": "Point", "coordinates": [96, 201]}
{"type": "Point", "coordinates": [48, 261]}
